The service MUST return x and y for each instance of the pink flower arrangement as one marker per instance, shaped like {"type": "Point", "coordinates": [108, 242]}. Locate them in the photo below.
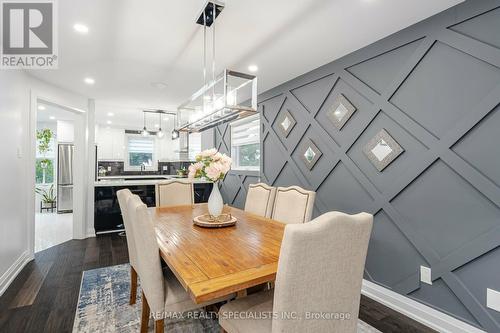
{"type": "Point", "coordinates": [210, 164]}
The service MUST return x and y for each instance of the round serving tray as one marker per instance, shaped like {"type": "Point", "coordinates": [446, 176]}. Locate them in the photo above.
{"type": "Point", "coordinates": [208, 221]}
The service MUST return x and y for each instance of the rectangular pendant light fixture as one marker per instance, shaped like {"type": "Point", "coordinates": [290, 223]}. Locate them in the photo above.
{"type": "Point", "coordinates": [230, 95]}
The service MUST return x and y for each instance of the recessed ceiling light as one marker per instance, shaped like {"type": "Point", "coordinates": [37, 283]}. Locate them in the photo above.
{"type": "Point", "coordinates": [81, 28]}
{"type": "Point", "coordinates": [110, 114]}
{"type": "Point", "coordinates": [41, 107]}
{"type": "Point", "coordinates": [159, 85]}
{"type": "Point", "coordinates": [52, 118]}
{"type": "Point", "coordinates": [253, 68]}
{"type": "Point", "coordinates": [89, 80]}
{"type": "Point", "coordinates": [108, 122]}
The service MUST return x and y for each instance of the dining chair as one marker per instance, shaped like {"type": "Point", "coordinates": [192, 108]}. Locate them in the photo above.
{"type": "Point", "coordinates": [293, 205]}
{"type": "Point", "coordinates": [123, 197]}
{"type": "Point", "coordinates": [260, 199]}
{"type": "Point", "coordinates": [174, 193]}
{"type": "Point", "coordinates": [320, 272]}
{"type": "Point", "coordinates": [162, 294]}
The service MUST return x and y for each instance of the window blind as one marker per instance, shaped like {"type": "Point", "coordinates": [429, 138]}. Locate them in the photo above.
{"type": "Point", "coordinates": [140, 145]}
{"type": "Point", "coordinates": [245, 132]}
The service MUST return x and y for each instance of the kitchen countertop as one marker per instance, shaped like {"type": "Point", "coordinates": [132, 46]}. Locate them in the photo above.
{"type": "Point", "coordinates": [122, 181]}
{"type": "Point", "coordinates": [139, 176]}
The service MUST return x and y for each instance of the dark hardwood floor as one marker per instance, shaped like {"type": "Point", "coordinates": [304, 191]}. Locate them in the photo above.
{"type": "Point", "coordinates": [44, 296]}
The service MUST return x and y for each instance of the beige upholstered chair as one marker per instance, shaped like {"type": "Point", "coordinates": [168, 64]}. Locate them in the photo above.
{"type": "Point", "coordinates": [320, 271]}
{"type": "Point", "coordinates": [260, 199]}
{"type": "Point", "coordinates": [174, 193]}
{"type": "Point", "coordinates": [161, 291]}
{"type": "Point", "coordinates": [123, 197]}
{"type": "Point", "coordinates": [293, 205]}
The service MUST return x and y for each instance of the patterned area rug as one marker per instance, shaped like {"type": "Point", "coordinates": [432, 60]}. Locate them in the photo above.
{"type": "Point", "coordinates": [103, 307]}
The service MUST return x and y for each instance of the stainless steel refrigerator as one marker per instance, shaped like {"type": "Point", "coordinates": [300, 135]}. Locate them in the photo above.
{"type": "Point", "coordinates": [65, 178]}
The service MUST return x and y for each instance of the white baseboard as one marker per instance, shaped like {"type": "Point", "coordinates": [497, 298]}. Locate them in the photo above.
{"type": "Point", "coordinates": [90, 233]}
{"type": "Point", "coordinates": [422, 313]}
{"type": "Point", "coordinates": [11, 273]}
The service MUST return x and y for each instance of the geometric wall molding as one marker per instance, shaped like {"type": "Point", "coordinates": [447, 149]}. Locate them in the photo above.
{"type": "Point", "coordinates": [435, 87]}
{"type": "Point", "coordinates": [379, 71]}
{"type": "Point", "coordinates": [438, 109]}
{"type": "Point", "coordinates": [483, 28]}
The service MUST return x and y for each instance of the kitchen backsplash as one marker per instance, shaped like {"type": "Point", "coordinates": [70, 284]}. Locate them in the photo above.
{"type": "Point", "coordinates": [164, 168]}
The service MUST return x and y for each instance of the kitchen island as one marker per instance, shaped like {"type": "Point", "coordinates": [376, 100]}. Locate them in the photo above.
{"type": "Point", "coordinates": [107, 213]}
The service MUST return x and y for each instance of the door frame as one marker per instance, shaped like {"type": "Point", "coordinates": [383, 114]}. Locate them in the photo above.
{"type": "Point", "coordinates": [80, 161]}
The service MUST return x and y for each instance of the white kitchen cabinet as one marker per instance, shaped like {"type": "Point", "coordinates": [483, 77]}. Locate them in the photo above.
{"type": "Point", "coordinates": [111, 144]}
{"type": "Point", "coordinates": [118, 144]}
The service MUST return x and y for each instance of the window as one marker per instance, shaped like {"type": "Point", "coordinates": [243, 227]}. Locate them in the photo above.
{"type": "Point", "coordinates": [140, 151]}
{"type": "Point", "coordinates": [245, 143]}
{"type": "Point", "coordinates": [44, 171]}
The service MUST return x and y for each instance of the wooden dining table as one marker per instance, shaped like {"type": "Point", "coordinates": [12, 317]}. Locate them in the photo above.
{"type": "Point", "coordinates": [214, 262]}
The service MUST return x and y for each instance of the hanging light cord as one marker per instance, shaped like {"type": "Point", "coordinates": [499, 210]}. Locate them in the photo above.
{"type": "Point", "coordinates": [214, 14]}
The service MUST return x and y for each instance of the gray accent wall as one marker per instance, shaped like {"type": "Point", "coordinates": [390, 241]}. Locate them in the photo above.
{"type": "Point", "coordinates": [435, 88]}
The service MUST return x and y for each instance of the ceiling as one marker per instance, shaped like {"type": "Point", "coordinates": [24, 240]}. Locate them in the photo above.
{"type": "Point", "coordinates": [50, 113]}
{"type": "Point", "coordinates": [132, 44]}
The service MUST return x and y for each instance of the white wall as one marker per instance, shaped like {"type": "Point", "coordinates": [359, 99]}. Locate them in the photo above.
{"type": "Point", "coordinates": [14, 107]}
{"type": "Point", "coordinates": [65, 131]}
{"type": "Point", "coordinates": [17, 128]}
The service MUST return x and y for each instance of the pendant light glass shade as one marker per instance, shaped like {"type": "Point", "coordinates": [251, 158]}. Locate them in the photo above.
{"type": "Point", "coordinates": [160, 133]}
{"type": "Point", "coordinates": [144, 130]}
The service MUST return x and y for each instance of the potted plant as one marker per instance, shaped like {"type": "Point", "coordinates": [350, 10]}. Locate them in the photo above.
{"type": "Point", "coordinates": [211, 165]}
{"type": "Point", "coordinates": [182, 172]}
{"type": "Point", "coordinates": [44, 136]}
{"type": "Point", "coordinates": [48, 196]}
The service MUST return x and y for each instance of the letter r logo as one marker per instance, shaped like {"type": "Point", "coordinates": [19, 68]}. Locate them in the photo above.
{"type": "Point", "coordinates": [27, 28]}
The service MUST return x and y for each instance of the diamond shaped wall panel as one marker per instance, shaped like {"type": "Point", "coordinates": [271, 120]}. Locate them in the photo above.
{"type": "Point", "coordinates": [473, 276]}
{"type": "Point", "coordinates": [413, 149]}
{"type": "Point", "coordinates": [364, 112]}
{"type": "Point", "coordinates": [378, 72]}
{"type": "Point", "coordinates": [445, 209]}
{"type": "Point", "coordinates": [483, 28]}
{"type": "Point", "coordinates": [428, 97]}
{"type": "Point", "coordinates": [481, 146]}
{"type": "Point", "coordinates": [441, 297]}
{"type": "Point", "coordinates": [341, 192]}
{"type": "Point", "coordinates": [299, 114]}
{"type": "Point", "coordinates": [323, 166]}
{"type": "Point", "coordinates": [401, 259]}
{"type": "Point", "coordinates": [312, 94]}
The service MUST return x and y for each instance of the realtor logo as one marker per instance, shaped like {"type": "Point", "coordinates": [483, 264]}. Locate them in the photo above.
{"type": "Point", "coordinates": [28, 34]}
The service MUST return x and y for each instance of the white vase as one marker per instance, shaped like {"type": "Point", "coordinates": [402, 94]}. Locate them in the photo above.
{"type": "Point", "coordinates": [215, 203]}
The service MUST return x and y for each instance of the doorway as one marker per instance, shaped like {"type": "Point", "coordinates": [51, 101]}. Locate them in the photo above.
{"type": "Point", "coordinates": [54, 174]}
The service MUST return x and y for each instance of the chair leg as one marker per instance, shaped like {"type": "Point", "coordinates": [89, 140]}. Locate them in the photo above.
{"type": "Point", "coordinates": [145, 314]}
{"type": "Point", "coordinates": [159, 326]}
{"type": "Point", "coordinates": [133, 285]}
